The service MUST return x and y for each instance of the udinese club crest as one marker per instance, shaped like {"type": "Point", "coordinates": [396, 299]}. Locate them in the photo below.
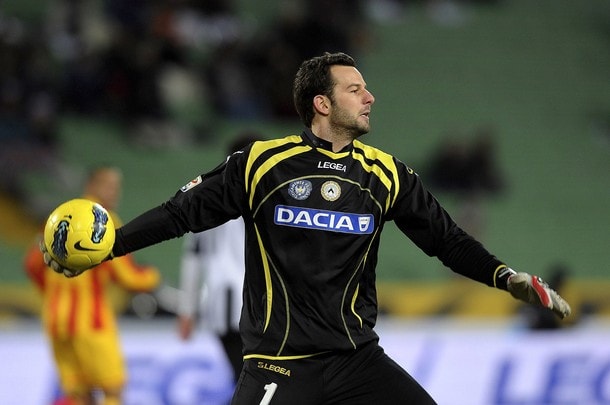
{"type": "Point", "coordinates": [331, 190]}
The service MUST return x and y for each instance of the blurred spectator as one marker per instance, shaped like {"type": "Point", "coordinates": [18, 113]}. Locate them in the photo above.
{"type": "Point", "coordinates": [118, 70]}
{"type": "Point", "coordinates": [302, 30]}
{"type": "Point", "coordinates": [445, 13]}
{"type": "Point", "coordinates": [448, 168]}
{"type": "Point", "coordinates": [485, 172]}
{"type": "Point", "coordinates": [465, 166]}
{"type": "Point", "coordinates": [28, 117]}
{"type": "Point", "coordinates": [469, 171]}
{"type": "Point", "coordinates": [336, 25]}
{"type": "Point", "coordinates": [232, 83]}
{"type": "Point", "coordinates": [254, 76]}
{"type": "Point", "coordinates": [121, 59]}
{"type": "Point", "coordinates": [134, 65]}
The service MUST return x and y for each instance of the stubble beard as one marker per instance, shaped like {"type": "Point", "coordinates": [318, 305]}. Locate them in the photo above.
{"type": "Point", "coordinates": [350, 127]}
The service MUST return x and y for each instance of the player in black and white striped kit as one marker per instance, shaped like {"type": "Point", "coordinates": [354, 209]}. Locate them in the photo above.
{"type": "Point", "coordinates": [212, 277]}
{"type": "Point", "coordinates": [314, 206]}
{"type": "Point", "coordinates": [211, 283]}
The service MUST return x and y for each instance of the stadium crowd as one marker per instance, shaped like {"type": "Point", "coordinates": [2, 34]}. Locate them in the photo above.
{"type": "Point", "coordinates": [140, 62]}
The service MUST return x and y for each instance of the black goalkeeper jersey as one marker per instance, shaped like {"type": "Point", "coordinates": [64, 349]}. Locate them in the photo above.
{"type": "Point", "coordinates": [313, 222]}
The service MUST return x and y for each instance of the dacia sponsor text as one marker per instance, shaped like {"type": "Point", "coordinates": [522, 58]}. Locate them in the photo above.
{"type": "Point", "coordinates": [343, 222]}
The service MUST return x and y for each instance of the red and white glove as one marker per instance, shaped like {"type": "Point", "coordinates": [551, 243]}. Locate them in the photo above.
{"type": "Point", "coordinates": [534, 290]}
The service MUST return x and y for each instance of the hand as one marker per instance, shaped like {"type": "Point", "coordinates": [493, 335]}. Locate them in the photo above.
{"type": "Point", "coordinates": [185, 327]}
{"type": "Point", "coordinates": [534, 290]}
{"type": "Point", "coordinates": [52, 263]}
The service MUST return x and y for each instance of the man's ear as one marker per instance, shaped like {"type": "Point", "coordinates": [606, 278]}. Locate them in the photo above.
{"type": "Point", "coordinates": [321, 104]}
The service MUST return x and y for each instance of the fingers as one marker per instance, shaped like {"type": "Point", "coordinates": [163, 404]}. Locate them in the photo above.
{"type": "Point", "coordinates": [550, 298]}
{"type": "Point", "coordinates": [543, 292]}
{"type": "Point", "coordinates": [72, 273]}
{"type": "Point", "coordinates": [534, 290]}
{"type": "Point", "coordinates": [53, 264]}
{"type": "Point", "coordinates": [560, 306]}
{"type": "Point", "coordinates": [48, 260]}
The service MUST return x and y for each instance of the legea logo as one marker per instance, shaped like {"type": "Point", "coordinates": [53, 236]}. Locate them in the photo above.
{"type": "Point", "coordinates": [323, 220]}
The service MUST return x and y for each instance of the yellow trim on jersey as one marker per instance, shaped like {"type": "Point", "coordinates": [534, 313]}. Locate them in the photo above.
{"type": "Point", "coordinates": [354, 297]}
{"type": "Point", "coordinates": [260, 147]}
{"type": "Point", "coordinates": [500, 267]}
{"type": "Point", "coordinates": [267, 272]}
{"type": "Point", "coordinates": [255, 210]}
{"type": "Point", "coordinates": [269, 289]}
{"type": "Point", "coordinates": [375, 154]}
{"type": "Point", "coordinates": [269, 164]}
{"type": "Point", "coordinates": [287, 303]}
{"type": "Point", "coordinates": [266, 357]}
{"type": "Point", "coordinates": [281, 185]}
{"type": "Point", "coordinates": [331, 154]}
{"type": "Point", "coordinates": [347, 180]}
{"type": "Point", "coordinates": [349, 335]}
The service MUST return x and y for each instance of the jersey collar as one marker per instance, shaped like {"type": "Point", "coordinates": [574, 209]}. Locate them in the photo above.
{"type": "Point", "coordinates": [310, 138]}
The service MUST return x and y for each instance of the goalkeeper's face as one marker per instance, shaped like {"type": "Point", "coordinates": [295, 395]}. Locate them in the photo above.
{"type": "Point", "coordinates": [350, 102]}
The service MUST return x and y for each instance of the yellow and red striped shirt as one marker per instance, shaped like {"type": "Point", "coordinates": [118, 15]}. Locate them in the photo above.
{"type": "Point", "coordinates": [83, 304]}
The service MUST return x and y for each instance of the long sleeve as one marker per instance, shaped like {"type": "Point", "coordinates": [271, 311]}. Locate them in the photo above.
{"type": "Point", "coordinates": [421, 217]}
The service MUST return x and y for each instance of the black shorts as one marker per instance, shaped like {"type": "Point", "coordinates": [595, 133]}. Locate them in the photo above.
{"type": "Point", "coordinates": [363, 376]}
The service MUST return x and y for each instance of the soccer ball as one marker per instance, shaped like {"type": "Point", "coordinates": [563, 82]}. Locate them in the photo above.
{"type": "Point", "coordinates": [79, 234]}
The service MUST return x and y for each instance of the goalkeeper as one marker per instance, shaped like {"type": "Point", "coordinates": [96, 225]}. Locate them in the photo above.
{"type": "Point", "coordinates": [314, 206]}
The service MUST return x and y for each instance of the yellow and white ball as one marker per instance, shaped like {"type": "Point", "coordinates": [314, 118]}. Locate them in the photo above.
{"type": "Point", "coordinates": [79, 234]}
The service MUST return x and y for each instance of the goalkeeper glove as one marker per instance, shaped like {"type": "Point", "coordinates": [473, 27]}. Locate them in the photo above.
{"type": "Point", "coordinates": [53, 264]}
{"type": "Point", "coordinates": [534, 290]}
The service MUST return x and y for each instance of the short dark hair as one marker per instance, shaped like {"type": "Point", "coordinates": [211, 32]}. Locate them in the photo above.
{"type": "Point", "coordinates": [313, 78]}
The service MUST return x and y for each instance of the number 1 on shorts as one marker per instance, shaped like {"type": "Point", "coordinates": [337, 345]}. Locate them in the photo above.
{"type": "Point", "coordinates": [270, 390]}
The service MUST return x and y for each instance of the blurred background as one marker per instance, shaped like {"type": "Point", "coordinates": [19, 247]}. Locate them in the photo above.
{"type": "Point", "coordinates": [501, 106]}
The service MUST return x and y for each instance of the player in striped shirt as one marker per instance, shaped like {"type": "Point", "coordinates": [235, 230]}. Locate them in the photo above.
{"type": "Point", "coordinates": [78, 314]}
